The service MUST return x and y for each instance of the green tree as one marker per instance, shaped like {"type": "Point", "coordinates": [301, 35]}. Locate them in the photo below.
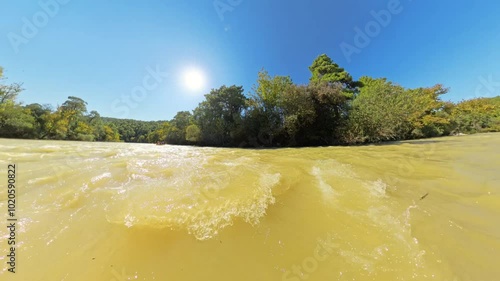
{"type": "Point", "coordinates": [55, 126]}
{"type": "Point", "coordinates": [9, 92]}
{"type": "Point", "coordinates": [181, 120]}
{"type": "Point", "coordinates": [110, 134]}
{"type": "Point", "coordinates": [330, 106]}
{"type": "Point", "coordinates": [97, 125]}
{"type": "Point", "coordinates": [429, 116]}
{"type": "Point", "coordinates": [160, 134]}
{"type": "Point", "coordinates": [384, 111]}
{"type": "Point", "coordinates": [265, 115]}
{"type": "Point", "coordinates": [378, 112]}
{"type": "Point", "coordinates": [74, 110]}
{"type": "Point", "coordinates": [476, 115]}
{"type": "Point", "coordinates": [38, 112]}
{"type": "Point", "coordinates": [177, 132]}
{"type": "Point", "coordinates": [299, 114]}
{"type": "Point", "coordinates": [193, 133]}
{"type": "Point", "coordinates": [133, 130]}
{"type": "Point", "coordinates": [15, 120]}
{"type": "Point", "coordinates": [324, 70]}
{"type": "Point", "coordinates": [219, 117]}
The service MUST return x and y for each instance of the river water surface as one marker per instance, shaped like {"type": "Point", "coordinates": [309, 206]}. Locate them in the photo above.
{"type": "Point", "coordinates": [107, 211]}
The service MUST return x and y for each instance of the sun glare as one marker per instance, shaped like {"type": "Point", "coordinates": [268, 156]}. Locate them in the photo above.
{"type": "Point", "coordinates": [194, 79]}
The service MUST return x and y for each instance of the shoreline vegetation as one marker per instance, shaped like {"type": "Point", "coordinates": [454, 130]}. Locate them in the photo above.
{"type": "Point", "coordinates": [332, 109]}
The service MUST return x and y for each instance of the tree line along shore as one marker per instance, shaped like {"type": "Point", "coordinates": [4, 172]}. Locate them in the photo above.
{"type": "Point", "coordinates": [332, 109]}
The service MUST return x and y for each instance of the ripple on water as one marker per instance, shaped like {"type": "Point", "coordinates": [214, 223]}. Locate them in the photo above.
{"type": "Point", "coordinates": [205, 204]}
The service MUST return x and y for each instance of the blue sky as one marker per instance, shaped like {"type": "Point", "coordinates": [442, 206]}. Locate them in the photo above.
{"type": "Point", "coordinates": [104, 51]}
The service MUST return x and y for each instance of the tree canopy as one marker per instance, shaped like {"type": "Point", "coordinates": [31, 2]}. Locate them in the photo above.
{"type": "Point", "coordinates": [332, 109]}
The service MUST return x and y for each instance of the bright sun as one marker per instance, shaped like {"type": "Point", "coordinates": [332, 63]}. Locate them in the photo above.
{"type": "Point", "coordinates": [194, 79]}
